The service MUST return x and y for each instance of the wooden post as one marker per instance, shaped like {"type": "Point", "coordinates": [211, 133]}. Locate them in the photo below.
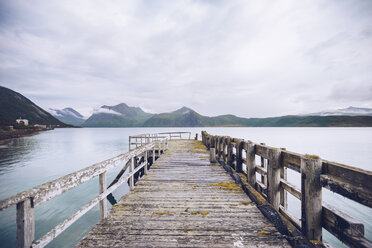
{"type": "Point", "coordinates": [212, 156]}
{"type": "Point", "coordinates": [311, 202]}
{"type": "Point", "coordinates": [196, 136]}
{"type": "Point", "coordinates": [146, 162]}
{"type": "Point", "coordinates": [131, 179]}
{"type": "Point", "coordinates": [153, 154]}
{"type": "Point", "coordinates": [251, 171]}
{"type": "Point", "coordinates": [263, 165]}
{"type": "Point", "coordinates": [129, 142]}
{"type": "Point", "coordinates": [283, 193]}
{"type": "Point", "coordinates": [224, 149]}
{"type": "Point", "coordinates": [229, 152]}
{"type": "Point", "coordinates": [239, 150]}
{"type": "Point", "coordinates": [102, 203]}
{"type": "Point", "coordinates": [273, 178]}
{"type": "Point", "coordinates": [25, 223]}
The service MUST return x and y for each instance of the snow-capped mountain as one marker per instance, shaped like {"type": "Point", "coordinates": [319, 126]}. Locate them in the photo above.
{"type": "Point", "coordinates": [68, 116]}
{"type": "Point", "coordinates": [350, 111]}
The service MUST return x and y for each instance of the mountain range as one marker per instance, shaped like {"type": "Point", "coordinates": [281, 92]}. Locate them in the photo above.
{"type": "Point", "coordinates": [13, 105]}
{"type": "Point", "coordinates": [122, 115]}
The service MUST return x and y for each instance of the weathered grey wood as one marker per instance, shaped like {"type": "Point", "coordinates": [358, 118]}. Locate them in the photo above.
{"type": "Point", "coordinates": [146, 162]}
{"type": "Point", "coordinates": [25, 223]}
{"type": "Point", "coordinates": [290, 217]}
{"type": "Point", "coordinates": [283, 175]}
{"type": "Point", "coordinates": [291, 160]}
{"type": "Point", "coordinates": [131, 179]}
{"type": "Point", "coordinates": [348, 189]}
{"type": "Point", "coordinates": [102, 189]}
{"type": "Point", "coordinates": [291, 188]}
{"type": "Point", "coordinates": [182, 202]}
{"type": "Point", "coordinates": [239, 151]}
{"type": "Point", "coordinates": [344, 227]}
{"type": "Point", "coordinates": [212, 155]}
{"type": "Point", "coordinates": [56, 187]}
{"type": "Point", "coordinates": [250, 157]}
{"type": "Point", "coordinates": [273, 178]}
{"type": "Point", "coordinates": [311, 198]}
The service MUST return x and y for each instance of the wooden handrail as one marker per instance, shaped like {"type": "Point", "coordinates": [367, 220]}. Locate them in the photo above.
{"type": "Point", "coordinates": [350, 182]}
{"type": "Point", "coordinates": [27, 201]}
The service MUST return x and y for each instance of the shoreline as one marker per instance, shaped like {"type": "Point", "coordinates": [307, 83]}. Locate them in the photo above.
{"type": "Point", "coordinates": [8, 135]}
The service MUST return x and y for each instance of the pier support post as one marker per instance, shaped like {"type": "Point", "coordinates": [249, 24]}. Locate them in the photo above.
{"type": "Point", "coordinates": [102, 203]}
{"type": "Point", "coordinates": [25, 223]}
{"type": "Point", "coordinates": [250, 156]}
{"type": "Point", "coordinates": [273, 178]}
{"type": "Point", "coordinates": [153, 154]}
{"type": "Point", "coordinates": [131, 178]}
{"type": "Point", "coordinates": [239, 150]}
{"type": "Point", "coordinates": [196, 136]}
{"type": "Point", "coordinates": [146, 162]}
{"type": "Point", "coordinates": [311, 202]}
{"type": "Point", "coordinates": [283, 193]}
{"type": "Point", "coordinates": [212, 156]}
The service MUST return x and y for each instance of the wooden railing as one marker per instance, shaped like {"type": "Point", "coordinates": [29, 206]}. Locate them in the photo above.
{"type": "Point", "coordinates": [141, 139]}
{"type": "Point", "coordinates": [350, 182]}
{"type": "Point", "coordinates": [27, 201]}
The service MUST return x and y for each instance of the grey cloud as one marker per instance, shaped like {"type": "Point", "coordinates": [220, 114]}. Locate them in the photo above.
{"type": "Point", "coordinates": [217, 57]}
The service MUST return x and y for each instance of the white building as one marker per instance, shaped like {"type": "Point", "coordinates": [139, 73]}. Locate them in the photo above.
{"type": "Point", "coordinates": [22, 121]}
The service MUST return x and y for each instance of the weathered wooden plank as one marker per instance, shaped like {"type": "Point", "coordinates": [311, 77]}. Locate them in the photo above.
{"type": "Point", "coordinates": [344, 227]}
{"type": "Point", "coordinates": [291, 160]}
{"type": "Point", "coordinates": [345, 188]}
{"type": "Point", "coordinates": [291, 188]}
{"type": "Point", "coordinates": [185, 201]}
{"type": "Point", "coordinates": [25, 223]}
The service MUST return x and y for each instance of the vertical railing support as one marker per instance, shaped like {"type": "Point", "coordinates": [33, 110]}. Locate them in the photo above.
{"type": "Point", "coordinates": [273, 178]}
{"type": "Point", "coordinates": [212, 155]}
{"type": "Point", "coordinates": [102, 189]}
{"type": "Point", "coordinates": [311, 202]}
{"type": "Point", "coordinates": [153, 153]}
{"type": "Point", "coordinates": [239, 155]}
{"type": "Point", "coordinates": [25, 223]}
{"type": "Point", "coordinates": [283, 174]}
{"type": "Point", "coordinates": [131, 179]}
{"type": "Point", "coordinates": [146, 162]}
{"type": "Point", "coordinates": [250, 156]}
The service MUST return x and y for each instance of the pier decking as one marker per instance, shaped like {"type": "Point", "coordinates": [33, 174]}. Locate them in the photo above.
{"type": "Point", "coordinates": [185, 201]}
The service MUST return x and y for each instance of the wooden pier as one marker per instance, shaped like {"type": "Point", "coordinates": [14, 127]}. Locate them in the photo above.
{"type": "Point", "coordinates": [185, 201]}
{"type": "Point", "coordinates": [218, 192]}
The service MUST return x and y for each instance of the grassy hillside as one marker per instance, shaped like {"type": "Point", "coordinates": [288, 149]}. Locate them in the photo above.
{"type": "Point", "coordinates": [13, 105]}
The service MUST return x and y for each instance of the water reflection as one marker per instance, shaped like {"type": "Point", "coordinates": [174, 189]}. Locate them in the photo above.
{"type": "Point", "coordinates": [13, 152]}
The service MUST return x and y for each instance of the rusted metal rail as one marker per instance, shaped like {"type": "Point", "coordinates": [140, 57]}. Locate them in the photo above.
{"type": "Point", "coordinates": [239, 157]}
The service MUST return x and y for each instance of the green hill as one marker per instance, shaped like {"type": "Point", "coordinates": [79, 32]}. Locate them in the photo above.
{"type": "Point", "coordinates": [120, 115]}
{"type": "Point", "coordinates": [186, 117]}
{"type": "Point", "coordinates": [13, 105]}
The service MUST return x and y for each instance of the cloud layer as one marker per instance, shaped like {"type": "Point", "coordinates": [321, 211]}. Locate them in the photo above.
{"type": "Point", "coordinates": [248, 58]}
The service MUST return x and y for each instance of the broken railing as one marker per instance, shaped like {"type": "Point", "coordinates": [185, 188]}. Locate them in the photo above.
{"type": "Point", "coordinates": [27, 201]}
{"type": "Point", "coordinates": [350, 182]}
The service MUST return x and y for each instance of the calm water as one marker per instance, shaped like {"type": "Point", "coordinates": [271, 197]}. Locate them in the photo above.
{"type": "Point", "coordinates": [30, 161]}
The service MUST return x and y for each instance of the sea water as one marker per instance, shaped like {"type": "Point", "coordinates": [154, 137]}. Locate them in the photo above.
{"type": "Point", "coordinates": [30, 161]}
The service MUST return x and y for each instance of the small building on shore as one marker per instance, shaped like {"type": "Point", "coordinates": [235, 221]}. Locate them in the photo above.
{"type": "Point", "coordinates": [40, 126]}
{"type": "Point", "coordinates": [22, 121]}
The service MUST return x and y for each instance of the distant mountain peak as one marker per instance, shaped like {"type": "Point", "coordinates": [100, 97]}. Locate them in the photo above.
{"type": "Point", "coordinates": [349, 111]}
{"type": "Point", "coordinates": [68, 115]}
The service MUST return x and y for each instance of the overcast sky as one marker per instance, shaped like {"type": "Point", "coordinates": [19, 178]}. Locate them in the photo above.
{"type": "Point", "coordinates": [248, 58]}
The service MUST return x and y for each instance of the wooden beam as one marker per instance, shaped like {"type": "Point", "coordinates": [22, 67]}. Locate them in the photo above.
{"type": "Point", "coordinates": [311, 198]}
{"type": "Point", "coordinates": [25, 223]}
{"type": "Point", "coordinates": [273, 178]}
{"type": "Point", "coordinates": [344, 227]}
{"type": "Point", "coordinates": [102, 189]}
